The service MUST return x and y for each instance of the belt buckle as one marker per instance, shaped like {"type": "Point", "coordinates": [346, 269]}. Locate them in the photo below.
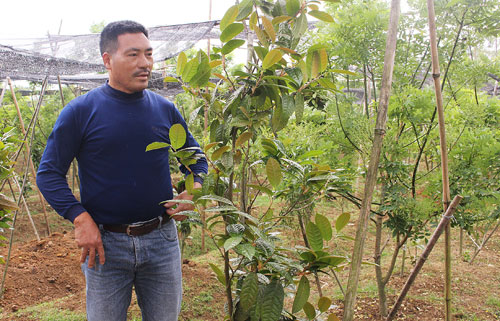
{"type": "Point", "coordinates": [131, 226]}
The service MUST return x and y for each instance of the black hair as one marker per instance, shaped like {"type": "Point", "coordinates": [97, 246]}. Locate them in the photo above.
{"type": "Point", "coordinates": [110, 33]}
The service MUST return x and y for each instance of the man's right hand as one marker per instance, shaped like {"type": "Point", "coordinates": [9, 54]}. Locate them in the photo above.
{"type": "Point", "coordinates": [88, 238]}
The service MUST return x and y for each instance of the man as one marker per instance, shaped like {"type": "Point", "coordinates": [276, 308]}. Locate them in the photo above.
{"type": "Point", "coordinates": [127, 238]}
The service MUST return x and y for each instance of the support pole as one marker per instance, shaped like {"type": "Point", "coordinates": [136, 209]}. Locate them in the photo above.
{"type": "Point", "coordinates": [25, 206]}
{"type": "Point", "coordinates": [445, 220]}
{"type": "Point", "coordinates": [371, 175]}
{"type": "Point", "coordinates": [28, 149]}
{"type": "Point", "coordinates": [444, 154]}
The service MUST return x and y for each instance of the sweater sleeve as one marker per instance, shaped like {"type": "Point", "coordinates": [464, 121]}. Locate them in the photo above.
{"type": "Point", "coordinates": [201, 166]}
{"type": "Point", "coordinates": [62, 146]}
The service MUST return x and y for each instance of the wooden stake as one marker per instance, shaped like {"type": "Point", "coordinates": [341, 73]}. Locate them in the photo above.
{"type": "Point", "coordinates": [25, 206]}
{"type": "Point", "coordinates": [371, 176]}
{"type": "Point", "coordinates": [28, 150]}
{"type": "Point", "coordinates": [3, 92]}
{"type": "Point", "coordinates": [444, 153]}
{"type": "Point", "coordinates": [425, 254]}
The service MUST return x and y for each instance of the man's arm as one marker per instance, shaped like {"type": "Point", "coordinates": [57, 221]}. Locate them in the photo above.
{"type": "Point", "coordinates": [179, 207]}
{"type": "Point", "coordinates": [62, 146]}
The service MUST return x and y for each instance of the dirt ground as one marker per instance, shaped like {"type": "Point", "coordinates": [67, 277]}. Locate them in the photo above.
{"type": "Point", "coordinates": [48, 270]}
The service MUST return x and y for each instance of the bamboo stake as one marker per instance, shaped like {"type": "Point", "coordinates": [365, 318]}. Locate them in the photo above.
{"type": "Point", "coordinates": [425, 254]}
{"type": "Point", "coordinates": [3, 92]}
{"type": "Point", "coordinates": [25, 206]}
{"type": "Point", "coordinates": [444, 153]}
{"type": "Point", "coordinates": [371, 177]}
{"type": "Point", "coordinates": [479, 248]}
{"type": "Point", "coordinates": [28, 149]}
{"type": "Point", "coordinates": [11, 241]}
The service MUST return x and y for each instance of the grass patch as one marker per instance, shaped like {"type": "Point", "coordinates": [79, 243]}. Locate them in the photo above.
{"type": "Point", "coordinates": [48, 311]}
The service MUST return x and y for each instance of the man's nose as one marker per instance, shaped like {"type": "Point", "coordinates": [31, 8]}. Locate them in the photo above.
{"type": "Point", "coordinates": [145, 61]}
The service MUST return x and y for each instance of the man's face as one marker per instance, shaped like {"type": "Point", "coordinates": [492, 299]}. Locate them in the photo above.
{"type": "Point", "coordinates": [130, 65]}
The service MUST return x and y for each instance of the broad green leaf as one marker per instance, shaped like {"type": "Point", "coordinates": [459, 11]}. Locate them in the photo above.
{"type": "Point", "coordinates": [308, 256]}
{"type": "Point", "coordinates": [232, 242]}
{"type": "Point", "coordinates": [279, 118]}
{"type": "Point", "coordinates": [272, 301]}
{"type": "Point", "coordinates": [296, 75]}
{"type": "Point", "coordinates": [170, 79]}
{"type": "Point", "coordinates": [218, 273]}
{"type": "Point", "coordinates": [209, 146]}
{"type": "Point", "coordinates": [229, 17]}
{"type": "Point", "coordinates": [311, 153]}
{"type": "Point", "coordinates": [324, 226]}
{"type": "Point", "coordinates": [269, 28]}
{"type": "Point", "coordinates": [271, 58]}
{"type": "Point", "coordinates": [321, 15]}
{"type": "Point", "coordinates": [300, 26]}
{"type": "Point", "coordinates": [231, 31]}
{"type": "Point", "coordinates": [177, 201]}
{"type": "Point", "coordinates": [273, 171]}
{"type": "Point", "coordinates": [190, 183]}
{"type": "Point", "coordinates": [309, 311]}
{"type": "Point", "coordinates": [247, 250]}
{"type": "Point", "coordinates": [232, 45]}
{"type": "Point", "coordinates": [332, 317]}
{"type": "Point", "coordinates": [215, 63]}
{"type": "Point", "coordinates": [190, 214]}
{"type": "Point", "coordinates": [252, 22]}
{"type": "Point", "coordinates": [332, 260]}
{"type": "Point", "coordinates": [245, 8]}
{"type": "Point", "coordinates": [314, 236]}
{"type": "Point", "coordinates": [299, 107]}
{"type": "Point", "coordinates": [346, 72]}
{"type": "Point", "coordinates": [292, 7]}
{"type": "Point", "coordinates": [261, 188]}
{"type": "Point", "coordinates": [327, 83]}
{"type": "Point", "coordinates": [156, 145]}
{"type": "Point", "coordinates": [261, 52]}
{"type": "Point", "coordinates": [190, 70]}
{"type": "Point", "coordinates": [288, 103]}
{"type": "Point", "coordinates": [181, 63]}
{"type": "Point", "coordinates": [302, 295]}
{"type": "Point", "coordinates": [280, 19]}
{"type": "Point", "coordinates": [317, 61]}
{"type": "Point", "coordinates": [216, 198]}
{"type": "Point", "coordinates": [262, 36]}
{"type": "Point", "coordinates": [221, 208]}
{"type": "Point", "coordinates": [202, 75]}
{"type": "Point", "coordinates": [249, 291]}
{"type": "Point", "coordinates": [324, 303]}
{"type": "Point", "coordinates": [218, 153]}
{"type": "Point", "coordinates": [342, 221]}
{"type": "Point", "coordinates": [313, 6]}
{"type": "Point", "coordinates": [177, 136]}
{"type": "Point", "coordinates": [243, 138]}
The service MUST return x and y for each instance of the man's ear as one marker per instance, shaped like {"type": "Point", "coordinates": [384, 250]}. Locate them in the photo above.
{"type": "Point", "coordinates": [106, 58]}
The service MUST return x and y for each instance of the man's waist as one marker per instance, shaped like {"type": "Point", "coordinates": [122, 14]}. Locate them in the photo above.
{"type": "Point", "coordinates": [138, 228]}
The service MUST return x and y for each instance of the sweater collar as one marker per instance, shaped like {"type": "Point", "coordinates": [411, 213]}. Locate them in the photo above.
{"type": "Point", "coordinates": [122, 95]}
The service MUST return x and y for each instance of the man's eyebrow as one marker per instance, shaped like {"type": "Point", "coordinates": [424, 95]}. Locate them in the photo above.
{"type": "Point", "coordinates": [137, 49]}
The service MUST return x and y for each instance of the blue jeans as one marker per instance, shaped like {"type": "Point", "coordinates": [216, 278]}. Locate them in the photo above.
{"type": "Point", "coordinates": [149, 262]}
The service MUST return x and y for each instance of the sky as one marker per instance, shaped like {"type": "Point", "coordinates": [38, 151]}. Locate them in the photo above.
{"type": "Point", "coordinates": [34, 18]}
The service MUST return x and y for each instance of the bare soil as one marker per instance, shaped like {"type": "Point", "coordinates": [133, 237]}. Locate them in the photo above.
{"type": "Point", "coordinates": [47, 270]}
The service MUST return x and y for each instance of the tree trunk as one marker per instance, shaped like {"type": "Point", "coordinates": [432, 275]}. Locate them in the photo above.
{"type": "Point", "coordinates": [444, 150]}
{"type": "Point", "coordinates": [371, 177]}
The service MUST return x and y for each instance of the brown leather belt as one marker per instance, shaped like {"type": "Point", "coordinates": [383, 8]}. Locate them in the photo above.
{"type": "Point", "coordinates": [138, 229]}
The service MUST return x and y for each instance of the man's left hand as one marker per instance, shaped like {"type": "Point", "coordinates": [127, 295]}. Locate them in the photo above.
{"type": "Point", "coordinates": [174, 208]}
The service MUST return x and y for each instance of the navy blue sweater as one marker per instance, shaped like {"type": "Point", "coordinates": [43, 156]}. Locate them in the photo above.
{"type": "Point", "coordinates": [107, 131]}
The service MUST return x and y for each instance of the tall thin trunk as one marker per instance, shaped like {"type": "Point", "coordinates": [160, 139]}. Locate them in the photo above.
{"type": "Point", "coordinates": [444, 150]}
{"type": "Point", "coordinates": [371, 177]}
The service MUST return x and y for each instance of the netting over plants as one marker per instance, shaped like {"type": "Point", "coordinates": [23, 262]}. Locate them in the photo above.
{"type": "Point", "coordinates": [77, 60]}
